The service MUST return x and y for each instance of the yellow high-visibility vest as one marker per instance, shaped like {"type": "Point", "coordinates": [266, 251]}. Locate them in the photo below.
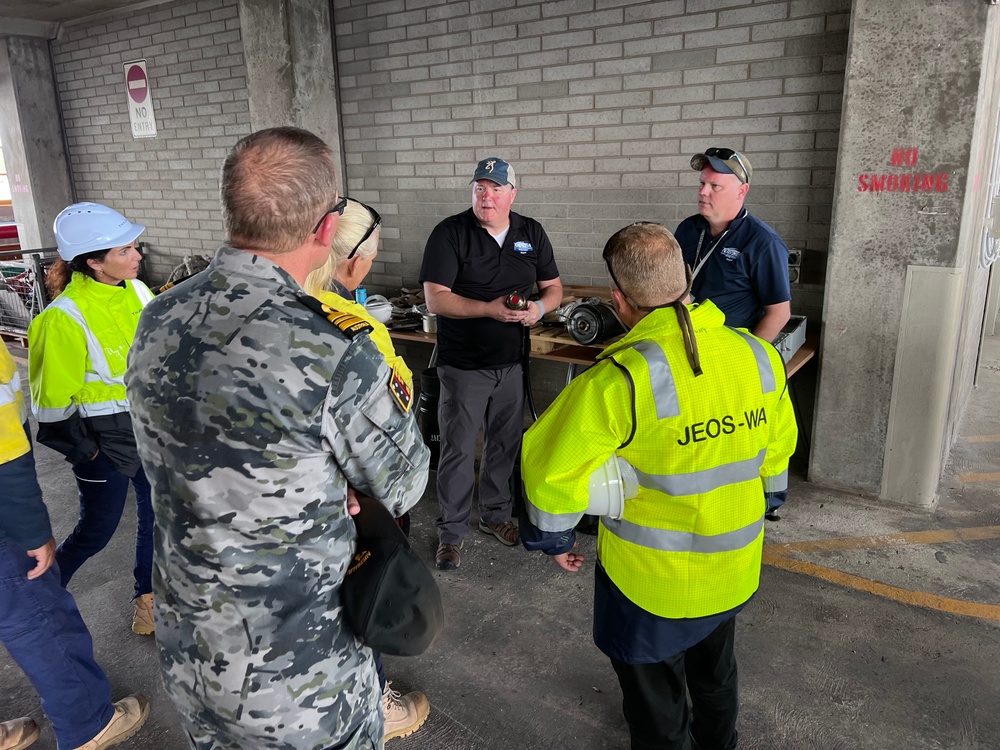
{"type": "Point", "coordinates": [78, 349]}
{"type": "Point", "coordinates": [379, 335]}
{"type": "Point", "coordinates": [704, 449]}
{"type": "Point", "coordinates": [13, 414]}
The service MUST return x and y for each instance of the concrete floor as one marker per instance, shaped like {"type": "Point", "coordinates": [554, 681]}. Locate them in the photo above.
{"type": "Point", "coordinates": [828, 660]}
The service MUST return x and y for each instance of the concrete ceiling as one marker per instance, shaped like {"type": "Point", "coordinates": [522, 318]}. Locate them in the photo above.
{"type": "Point", "coordinates": [45, 17]}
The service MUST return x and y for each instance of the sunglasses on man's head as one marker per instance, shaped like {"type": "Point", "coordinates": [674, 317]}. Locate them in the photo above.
{"type": "Point", "coordinates": [376, 223]}
{"type": "Point", "coordinates": [726, 154]}
{"type": "Point", "coordinates": [338, 208]}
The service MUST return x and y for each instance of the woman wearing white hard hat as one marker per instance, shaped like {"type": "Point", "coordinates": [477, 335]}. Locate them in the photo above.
{"type": "Point", "coordinates": [355, 246]}
{"type": "Point", "coordinates": [77, 352]}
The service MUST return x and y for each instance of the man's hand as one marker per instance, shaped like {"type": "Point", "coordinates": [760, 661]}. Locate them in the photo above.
{"type": "Point", "coordinates": [498, 310]}
{"type": "Point", "coordinates": [353, 505]}
{"type": "Point", "coordinates": [570, 561]}
{"type": "Point", "coordinates": [44, 557]}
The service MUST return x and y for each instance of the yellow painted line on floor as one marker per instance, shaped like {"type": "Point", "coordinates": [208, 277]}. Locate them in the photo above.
{"type": "Point", "coordinates": [983, 439]}
{"type": "Point", "coordinates": [913, 598]}
{"type": "Point", "coordinates": [779, 556]}
{"type": "Point", "coordinates": [972, 478]}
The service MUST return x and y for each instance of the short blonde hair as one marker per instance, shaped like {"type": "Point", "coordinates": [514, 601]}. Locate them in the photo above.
{"type": "Point", "coordinates": [648, 262]}
{"type": "Point", "coordinates": [355, 221]}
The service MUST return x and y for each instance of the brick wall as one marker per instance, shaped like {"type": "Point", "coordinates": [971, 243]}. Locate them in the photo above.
{"type": "Point", "coordinates": [599, 104]}
{"type": "Point", "coordinates": [194, 58]}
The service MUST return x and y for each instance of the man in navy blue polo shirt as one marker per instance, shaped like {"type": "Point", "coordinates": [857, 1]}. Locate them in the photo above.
{"type": "Point", "coordinates": [472, 262]}
{"type": "Point", "coordinates": [738, 261]}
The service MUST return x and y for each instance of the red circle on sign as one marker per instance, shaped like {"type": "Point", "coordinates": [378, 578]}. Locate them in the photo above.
{"type": "Point", "coordinates": [138, 86]}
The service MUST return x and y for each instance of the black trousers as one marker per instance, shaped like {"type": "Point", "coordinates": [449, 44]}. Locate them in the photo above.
{"type": "Point", "coordinates": [655, 702]}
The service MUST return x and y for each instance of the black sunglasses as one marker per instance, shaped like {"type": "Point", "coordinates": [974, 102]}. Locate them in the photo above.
{"type": "Point", "coordinates": [726, 154]}
{"type": "Point", "coordinates": [376, 223]}
{"type": "Point", "coordinates": [338, 208]}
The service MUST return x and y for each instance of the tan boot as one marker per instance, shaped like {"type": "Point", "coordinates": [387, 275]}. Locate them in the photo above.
{"type": "Point", "coordinates": [403, 713]}
{"type": "Point", "coordinates": [142, 620]}
{"type": "Point", "coordinates": [130, 714]}
{"type": "Point", "coordinates": [18, 733]}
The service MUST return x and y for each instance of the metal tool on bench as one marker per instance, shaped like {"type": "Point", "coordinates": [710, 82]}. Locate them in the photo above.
{"type": "Point", "coordinates": [592, 321]}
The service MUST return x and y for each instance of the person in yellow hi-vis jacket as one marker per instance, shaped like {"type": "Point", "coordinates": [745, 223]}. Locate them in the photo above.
{"type": "Point", "coordinates": [355, 246]}
{"type": "Point", "coordinates": [697, 417]}
{"type": "Point", "coordinates": [40, 625]}
{"type": "Point", "coordinates": [77, 353]}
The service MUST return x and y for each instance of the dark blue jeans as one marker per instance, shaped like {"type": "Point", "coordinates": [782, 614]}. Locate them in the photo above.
{"type": "Point", "coordinates": [103, 491]}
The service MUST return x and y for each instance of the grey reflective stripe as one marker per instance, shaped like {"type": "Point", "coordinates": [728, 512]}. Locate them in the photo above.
{"type": "Point", "coordinates": [142, 292]}
{"type": "Point", "coordinates": [767, 384]}
{"type": "Point", "coordinates": [553, 522]}
{"type": "Point", "coordinates": [668, 540]}
{"type": "Point", "coordinates": [706, 480]}
{"type": "Point", "coordinates": [103, 408]}
{"type": "Point", "coordinates": [53, 415]}
{"type": "Point", "coordinates": [94, 349]}
{"type": "Point", "coordinates": [778, 483]}
{"type": "Point", "coordinates": [661, 378]}
{"type": "Point", "coordinates": [9, 391]}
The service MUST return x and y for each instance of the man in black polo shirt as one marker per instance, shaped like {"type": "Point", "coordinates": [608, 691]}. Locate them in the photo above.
{"type": "Point", "coordinates": [739, 262]}
{"type": "Point", "coordinates": [472, 262]}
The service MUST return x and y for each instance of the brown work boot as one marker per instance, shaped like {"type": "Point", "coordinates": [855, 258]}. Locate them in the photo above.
{"type": "Point", "coordinates": [506, 532]}
{"type": "Point", "coordinates": [403, 713]}
{"type": "Point", "coordinates": [130, 714]}
{"type": "Point", "coordinates": [449, 556]}
{"type": "Point", "coordinates": [142, 621]}
{"type": "Point", "coordinates": [19, 733]}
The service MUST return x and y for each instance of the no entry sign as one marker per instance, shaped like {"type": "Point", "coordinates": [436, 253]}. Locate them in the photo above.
{"type": "Point", "coordinates": [139, 100]}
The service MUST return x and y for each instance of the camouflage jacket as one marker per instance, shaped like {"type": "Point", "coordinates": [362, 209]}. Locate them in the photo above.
{"type": "Point", "coordinates": [253, 414]}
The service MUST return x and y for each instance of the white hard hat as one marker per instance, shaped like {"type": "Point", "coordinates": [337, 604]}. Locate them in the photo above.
{"type": "Point", "coordinates": [85, 227]}
{"type": "Point", "coordinates": [611, 484]}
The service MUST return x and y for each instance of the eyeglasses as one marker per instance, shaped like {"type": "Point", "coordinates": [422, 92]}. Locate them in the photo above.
{"type": "Point", "coordinates": [338, 208]}
{"type": "Point", "coordinates": [376, 223]}
{"type": "Point", "coordinates": [726, 154]}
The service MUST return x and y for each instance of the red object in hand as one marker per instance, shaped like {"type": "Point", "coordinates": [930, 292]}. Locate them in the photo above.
{"type": "Point", "coordinates": [515, 301]}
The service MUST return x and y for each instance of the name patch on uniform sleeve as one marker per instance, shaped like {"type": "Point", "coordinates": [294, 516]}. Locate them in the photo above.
{"type": "Point", "coordinates": [400, 391]}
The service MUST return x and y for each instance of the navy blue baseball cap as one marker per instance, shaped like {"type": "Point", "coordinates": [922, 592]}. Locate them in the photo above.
{"type": "Point", "coordinates": [496, 170]}
{"type": "Point", "coordinates": [724, 161]}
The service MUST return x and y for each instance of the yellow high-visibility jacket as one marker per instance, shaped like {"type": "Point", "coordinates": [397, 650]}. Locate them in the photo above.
{"type": "Point", "coordinates": [379, 335]}
{"type": "Point", "coordinates": [77, 353]}
{"type": "Point", "coordinates": [13, 414]}
{"type": "Point", "coordinates": [705, 450]}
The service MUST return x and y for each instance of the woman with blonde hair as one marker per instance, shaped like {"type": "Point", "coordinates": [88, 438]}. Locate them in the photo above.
{"type": "Point", "coordinates": [355, 246]}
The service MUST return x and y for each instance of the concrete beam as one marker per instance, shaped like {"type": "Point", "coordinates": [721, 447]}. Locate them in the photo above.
{"type": "Point", "coordinates": [31, 133]}
{"type": "Point", "coordinates": [288, 50]}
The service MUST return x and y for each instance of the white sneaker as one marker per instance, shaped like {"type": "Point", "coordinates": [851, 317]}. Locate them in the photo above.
{"type": "Point", "coordinates": [404, 714]}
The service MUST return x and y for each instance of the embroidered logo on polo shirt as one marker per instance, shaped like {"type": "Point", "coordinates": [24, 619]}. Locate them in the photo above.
{"type": "Point", "coordinates": [731, 253]}
{"type": "Point", "coordinates": [523, 248]}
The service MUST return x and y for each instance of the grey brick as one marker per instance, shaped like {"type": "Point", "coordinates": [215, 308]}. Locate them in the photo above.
{"type": "Point", "coordinates": [685, 60]}
{"type": "Point", "coordinates": [677, 129]}
{"type": "Point", "coordinates": [824, 121]}
{"type": "Point", "coordinates": [616, 67]}
{"type": "Point", "coordinates": [650, 147]}
{"type": "Point", "coordinates": [517, 46]}
{"type": "Point", "coordinates": [682, 94]}
{"type": "Point", "coordinates": [716, 37]}
{"type": "Point", "coordinates": [747, 125]}
{"type": "Point", "coordinates": [787, 29]}
{"type": "Point", "coordinates": [611, 51]}
{"type": "Point", "coordinates": [749, 89]}
{"type": "Point", "coordinates": [541, 122]}
{"type": "Point", "coordinates": [528, 107]}
{"type": "Point", "coordinates": [595, 85]}
{"type": "Point", "coordinates": [813, 7]}
{"type": "Point", "coordinates": [578, 119]}
{"type": "Point", "coordinates": [651, 114]}
{"type": "Point", "coordinates": [625, 31]}
{"type": "Point", "coordinates": [756, 14]}
{"type": "Point", "coordinates": [817, 44]}
{"type": "Point", "coordinates": [790, 66]}
{"type": "Point", "coordinates": [783, 142]}
{"type": "Point", "coordinates": [655, 45]}
{"type": "Point", "coordinates": [571, 39]}
{"type": "Point", "coordinates": [613, 17]}
{"type": "Point", "coordinates": [543, 59]}
{"type": "Point", "coordinates": [653, 11]}
{"type": "Point", "coordinates": [566, 7]}
{"type": "Point", "coordinates": [568, 135]}
{"type": "Point", "coordinates": [717, 73]}
{"type": "Point", "coordinates": [623, 100]}
{"type": "Point", "coordinates": [803, 103]}
{"type": "Point", "coordinates": [762, 51]}
{"type": "Point", "coordinates": [564, 72]}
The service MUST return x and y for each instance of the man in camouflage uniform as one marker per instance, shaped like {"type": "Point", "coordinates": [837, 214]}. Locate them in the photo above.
{"type": "Point", "coordinates": [257, 420]}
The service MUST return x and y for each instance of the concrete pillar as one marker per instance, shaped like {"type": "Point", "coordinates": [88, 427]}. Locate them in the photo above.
{"type": "Point", "coordinates": [31, 134]}
{"type": "Point", "coordinates": [897, 267]}
{"type": "Point", "coordinates": [288, 48]}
